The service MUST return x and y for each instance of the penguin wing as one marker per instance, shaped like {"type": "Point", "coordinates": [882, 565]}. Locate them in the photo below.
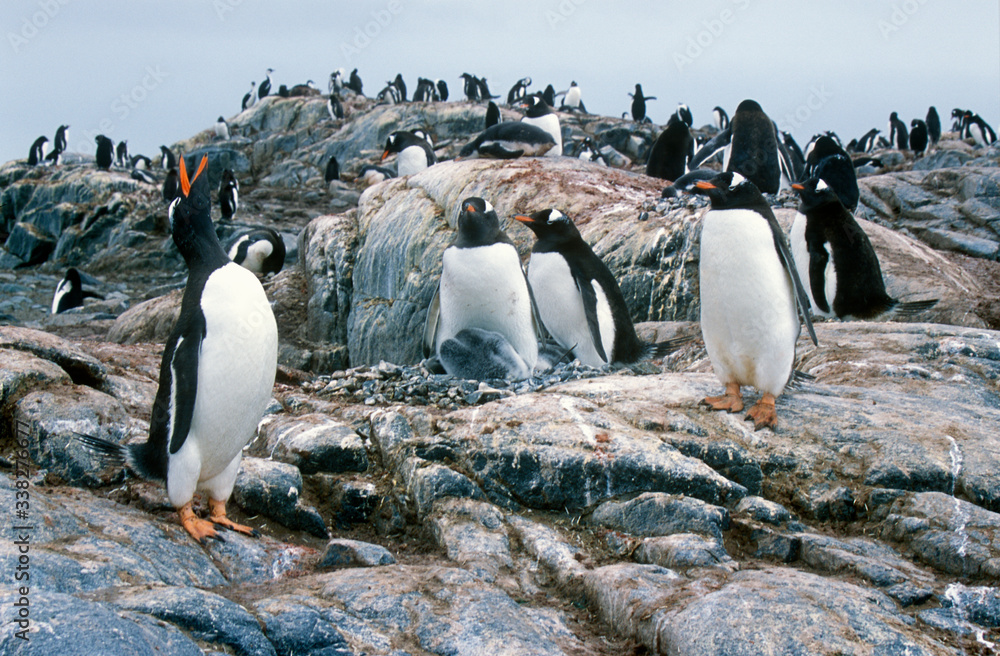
{"type": "Point", "coordinates": [785, 255]}
{"type": "Point", "coordinates": [589, 297]}
{"type": "Point", "coordinates": [784, 159]}
{"type": "Point", "coordinates": [173, 407]}
{"type": "Point", "coordinates": [717, 143]}
{"type": "Point", "coordinates": [819, 258]}
{"type": "Point", "coordinates": [432, 324]}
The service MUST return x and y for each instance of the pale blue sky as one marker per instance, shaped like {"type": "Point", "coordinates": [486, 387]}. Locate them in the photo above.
{"type": "Point", "coordinates": [157, 71]}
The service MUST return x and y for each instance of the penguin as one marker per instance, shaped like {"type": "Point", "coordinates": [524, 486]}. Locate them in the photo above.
{"type": "Point", "coordinates": [265, 86]}
{"type": "Point", "coordinates": [477, 354]}
{"type": "Point", "coordinates": [492, 114]}
{"type": "Point", "coordinates": [867, 142]}
{"type": "Point", "coordinates": [484, 89]}
{"type": "Point", "coordinates": [578, 299]}
{"type": "Point", "coordinates": [482, 286]}
{"type": "Point", "coordinates": [836, 261]}
{"type": "Point", "coordinates": [471, 86]}
{"type": "Point", "coordinates": [334, 107]}
{"type": "Point", "coordinates": [978, 129]}
{"type": "Point", "coordinates": [142, 176]}
{"type": "Point", "coordinates": [518, 91]}
{"type": "Point", "coordinates": [336, 82]}
{"type": "Point", "coordinates": [828, 161]}
{"type": "Point", "coordinates": [415, 154]}
{"type": "Point", "coordinates": [371, 174]}
{"type": "Point", "coordinates": [639, 105]}
{"type": "Point", "coordinates": [549, 96]}
{"type": "Point", "coordinates": [389, 95]}
{"type": "Point", "coordinates": [216, 374]}
{"type": "Point", "coordinates": [540, 114]}
{"type": "Point", "coordinates": [751, 296]}
{"type": "Point", "coordinates": [229, 195]}
{"type": "Point", "coordinates": [686, 182]}
{"type": "Point", "coordinates": [332, 170]}
{"type": "Point", "coordinates": [354, 84]}
{"type": "Point", "coordinates": [261, 251]}
{"type": "Point", "coordinates": [919, 137]}
{"type": "Point", "coordinates": [933, 126]}
{"type": "Point", "coordinates": [589, 153]}
{"type": "Point", "coordinates": [105, 152]}
{"type": "Point", "coordinates": [752, 148]}
{"type": "Point", "coordinates": [899, 138]}
{"type": "Point", "coordinates": [797, 161]}
{"type": "Point", "coordinates": [283, 91]}
{"type": "Point", "coordinates": [442, 88]}
{"type": "Point", "coordinates": [171, 186]}
{"type": "Point", "coordinates": [672, 150]}
{"type": "Point", "coordinates": [250, 99]}
{"type": "Point", "coordinates": [426, 91]}
{"type": "Point", "coordinates": [141, 162]}
{"type": "Point", "coordinates": [401, 86]}
{"type": "Point", "coordinates": [38, 151]}
{"type": "Point", "coordinates": [61, 141]}
{"type": "Point", "coordinates": [306, 90]}
{"type": "Point", "coordinates": [958, 121]}
{"type": "Point", "coordinates": [573, 98]}
{"type": "Point", "coordinates": [167, 158]}
{"type": "Point", "coordinates": [221, 129]}
{"type": "Point", "coordinates": [867, 165]}
{"type": "Point", "coordinates": [70, 293]}
{"type": "Point", "coordinates": [510, 140]}
{"type": "Point", "coordinates": [121, 154]}
{"type": "Point", "coordinates": [721, 118]}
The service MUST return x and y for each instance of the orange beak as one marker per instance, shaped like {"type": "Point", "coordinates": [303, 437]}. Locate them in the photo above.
{"type": "Point", "coordinates": [797, 187]}
{"type": "Point", "coordinates": [523, 219]}
{"type": "Point", "coordinates": [470, 208]}
{"type": "Point", "coordinates": [185, 183]}
{"type": "Point", "coordinates": [384, 155]}
{"type": "Point", "coordinates": [703, 184]}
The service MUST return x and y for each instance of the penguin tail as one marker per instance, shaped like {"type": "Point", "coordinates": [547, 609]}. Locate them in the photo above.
{"type": "Point", "coordinates": [663, 349]}
{"type": "Point", "coordinates": [112, 453]}
{"type": "Point", "coordinates": [913, 307]}
{"type": "Point", "coordinates": [799, 380]}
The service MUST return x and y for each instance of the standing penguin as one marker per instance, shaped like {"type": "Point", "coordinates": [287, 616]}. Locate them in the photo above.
{"type": "Point", "coordinates": [59, 145]}
{"type": "Point", "coordinates": [121, 154]}
{"type": "Point", "coordinates": [171, 186]}
{"type": "Point", "coordinates": [250, 98]}
{"type": "Point", "coordinates": [751, 296]}
{"type": "Point", "coordinates": [70, 293]}
{"type": "Point", "coordinates": [415, 154]}
{"type": "Point", "coordinates": [492, 114]}
{"type": "Point", "coordinates": [828, 161]}
{"type": "Point", "coordinates": [540, 114]}
{"type": "Point", "coordinates": [221, 129]}
{"type": "Point", "coordinates": [933, 126]}
{"type": "Point", "coordinates": [721, 118]}
{"type": "Point", "coordinates": [105, 152]}
{"type": "Point", "coordinates": [639, 105]}
{"type": "Point", "coordinates": [229, 195]}
{"type": "Point", "coordinates": [332, 170]}
{"type": "Point", "coordinates": [573, 98]}
{"type": "Point", "coordinates": [518, 91]}
{"type": "Point", "coordinates": [578, 298]}
{"type": "Point", "coordinates": [354, 83]}
{"type": "Point", "coordinates": [334, 107]}
{"type": "Point", "coordinates": [836, 261]}
{"type": "Point", "coordinates": [918, 137]}
{"type": "Point", "coordinates": [265, 86]}
{"type": "Point", "coordinates": [400, 86]}
{"type": "Point", "coordinates": [673, 149]}
{"type": "Point", "coordinates": [167, 158]}
{"type": "Point", "coordinates": [470, 86]}
{"type": "Point", "coordinates": [37, 153]}
{"type": "Point", "coordinates": [482, 288]}
{"type": "Point", "coordinates": [899, 138]}
{"type": "Point", "coordinates": [261, 251]}
{"type": "Point", "coordinates": [216, 374]}
{"type": "Point", "coordinates": [442, 88]}
{"type": "Point", "coordinates": [974, 127]}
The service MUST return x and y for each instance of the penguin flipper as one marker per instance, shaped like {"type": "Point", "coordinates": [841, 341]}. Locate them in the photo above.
{"type": "Point", "coordinates": [432, 323]}
{"type": "Point", "coordinates": [785, 255]}
{"type": "Point", "coordinates": [717, 143]}
{"type": "Point", "coordinates": [87, 294]}
{"type": "Point", "coordinates": [589, 297]}
{"type": "Point", "coordinates": [818, 261]}
{"type": "Point", "coordinates": [173, 412]}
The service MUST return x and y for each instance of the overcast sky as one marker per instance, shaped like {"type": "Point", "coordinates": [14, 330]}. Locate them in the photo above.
{"type": "Point", "coordinates": [157, 71]}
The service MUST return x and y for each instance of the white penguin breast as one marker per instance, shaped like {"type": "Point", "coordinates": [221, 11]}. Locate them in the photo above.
{"type": "Point", "coordinates": [412, 159]}
{"type": "Point", "coordinates": [61, 290]}
{"type": "Point", "coordinates": [484, 287]}
{"type": "Point", "coordinates": [800, 253]}
{"type": "Point", "coordinates": [549, 123]}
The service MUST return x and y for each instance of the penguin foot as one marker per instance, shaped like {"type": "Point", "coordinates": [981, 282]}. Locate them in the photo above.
{"type": "Point", "coordinates": [217, 516]}
{"type": "Point", "coordinates": [200, 529]}
{"type": "Point", "coordinates": [732, 400]}
{"type": "Point", "coordinates": [763, 413]}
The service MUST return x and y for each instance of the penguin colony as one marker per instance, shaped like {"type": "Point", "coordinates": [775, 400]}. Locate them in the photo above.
{"type": "Point", "coordinates": [491, 318]}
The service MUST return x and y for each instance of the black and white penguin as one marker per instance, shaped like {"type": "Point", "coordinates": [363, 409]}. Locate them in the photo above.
{"type": "Point", "coordinates": [354, 83]}
{"type": "Point", "coordinates": [974, 127]}
{"type": "Point", "coordinates": [899, 137]}
{"type": "Point", "coordinates": [61, 142]}
{"type": "Point", "coordinates": [332, 170]}
{"type": "Point", "coordinates": [171, 186]}
{"type": "Point", "coordinates": [573, 98]}
{"type": "Point", "coordinates": [141, 162]}
{"type": "Point", "coordinates": [265, 86]}
{"type": "Point", "coordinates": [518, 91]}
{"type": "Point", "coordinates": [958, 121]}
{"type": "Point", "coordinates": [752, 148]}
{"type": "Point", "coordinates": [836, 261]}
{"type": "Point", "coordinates": [121, 154]}
{"type": "Point", "coordinates": [589, 152]}
{"type": "Point", "coordinates": [142, 176]}
{"type": "Point", "coordinates": [482, 286]}
{"type": "Point", "coordinates": [673, 150]}
{"type": "Point", "coordinates": [540, 114]}
{"type": "Point", "coordinates": [751, 297]}
{"type": "Point", "coordinates": [261, 251]}
{"type": "Point", "coordinates": [334, 107]}
{"type": "Point", "coordinates": [721, 118]}
{"type": "Point", "coordinates": [105, 152]}
{"type": "Point", "coordinates": [442, 88]}
{"type": "Point", "coordinates": [686, 182]}
{"type": "Point", "coordinates": [868, 165]}
{"type": "Point", "coordinates": [426, 91]}
{"type": "Point", "coordinates": [828, 161]}
{"type": "Point", "coordinates": [167, 159]}
{"type": "Point", "coordinates": [933, 126]}
{"type": "Point", "coordinates": [866, 143]}
{"type": "Point", "coordinates": [336, 82]}
{"type": "Point", "coordinates": [919, 138]}
{"type": "Point", "coordinates": [470, 87]}
{"type": "Point", "coordinates": [38, 151]}
{"type": "Point", "coordinates": [400, 86]}
{"type": "Point", "coordinates": [492, 114]}
{"type": "Point", "coordinates": [229, 195]}
{"type": "Point", "coordinates": [216, 374]}
{"type": "Point", "coordinates": [478, 354]}
{"type": "Point", "coordinates": [578, 299]}
{"type": "Point", "coordinates": [509, 140]}
{"type": "Point", "coordinates": [221, 129]}
{"type": "Point", "coordinates": [371, 174]}
{"type": "Point", "coordinates": [797, 161]}
{"type": "Point", "coordinates": [70, 292]}
{"type": "Point", "coordinates": [415, 154]}
{"type": "Point", "coordinates": [639, 105]}
{"type": "Point", "coordinates": [250, 99]}
{"type": "Point", "coordinates": [549, 95]}
{"type": "Point", "coordinates": [484, 89]}
{"type": "Point", "coordinates": [389, 95]}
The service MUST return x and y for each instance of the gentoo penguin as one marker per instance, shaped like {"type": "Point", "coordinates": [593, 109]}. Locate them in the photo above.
{"type": "Point", "coordinates": [167, 158]}
{"type": "Point", "coordinates": [752, 148]}
{"type": "Point", "coordinates": [721, 118]}
{"type": "Point", "coordinates": [415, 154]}
{"type": "Point", "coordinates": [216, 374]}
{"type": "Point", "coordinates": [979, 130]}
{"type": "Point", "coordinates": [751, 295]}
{"type": "Point", "coordinates": [797, 161]}
{"type": "Point", "coordinates": [484, 89]}
{"type": "Point", "coordinates": [899, 138]}
{"type": "Point", "coordinates": [265, 86]}
{"type": "Point", "coordinates": [221, 129]}
{"type": "Point", "coordinates": [573, 98]}
{"type": "Point", "coordinates": [141, 162]}
{"type": "Point", "coordinates": [250, 99]}
{"type": "Point", "coordinates": [958, 121]}
{"type": "Point", "coordinates": [442, 88]}
{"type": "Point", "coordinates": [828, 161]}
{"type": "Point", "coordinates": [334, 107]}
{"type": "Point", "coordinates": [389, 95]}
{"type": "Point", "coordinates": [37, 153]}
{"type": "Point", "coordinates": [578, 299]}
{"type": "Point", "coordinates": [933, 126]}
{"type": "Point", "coordinates": [492, 114]}
{"type": "Point", "coordinates": [686, 182]}
{"type": "Point", "coordinates": [919, 137]}
{"type": "Point", "coordinates": [866, 143]}
{"type": "Point", "coordinates": [332, 170]}
{"type": "Point", "coordinates": [549, 95]}
{"type": "Point", "coordinates": [401, 86]}
{"type": "Point", "coordinates": [336, 82]}
{"type": "Point", "coordinates": [541, 115]}
{"type": "Point", "coordinates": [836, 260]}
{"type": "Point", "coordinates": [478, 354]}
{"type": "Point", "coordinates": [470, 87]}
{"type": "Point", "coordinates": [61, 142]}
{"type": "Point", "coordinates": [518, 91]}
{"type": "Point", "coordinates": [261, 250]}
{"type": "Point", "coordinates": [639, 105]}
{"type": "Point", "coordinates": [171, 186]}
{"type": "Point", "coordinates": [142, 176]}
{"type": "Point", "coordinates": [70, 292]}
{"type": "Point", "coordinates": [509, 140]}
{"type": "Point", "coordinates": [672, 150]}
{"type": "Point", "coordinates": [354, 83]}
{"type": "Point", "coordinates": [371, 174]}
{"type": "Point", "coordinates": [590, 153]}
{"type": "Point", "coordinates": [121, 154]}
{"type": "Point", "coordinates": [426, 91]}
{"type": "Point", "coordinates": [482, 286]}
{"type": "Point", "coordinates": [229, 195]}
{"type": "Point", "coordinates": [105, 152]}
{"type": "Point", "coordinates": [868, 165]}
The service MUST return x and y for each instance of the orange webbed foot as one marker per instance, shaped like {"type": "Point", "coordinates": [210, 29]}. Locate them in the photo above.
{"type": "Point", "coordinates": [763, 413]}
{"type": "Point", "coordinates": [731, 401]}
{"type": "Point", "coordinates": [217, 515]}
{"type": "Point", "coordinates": [200, 529]}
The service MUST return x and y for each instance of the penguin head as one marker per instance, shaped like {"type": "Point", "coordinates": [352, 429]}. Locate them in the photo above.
{"type": "Point", "coordinates": [478, 224]}
{"type": "Point", "coordinates": [551, 225]}
{"type": "Point", "coordinates": [683, 113]}
{"type": "Point", "coordinates": [748, 106]}
{"type": "Point", "coordinates": [73, 277]}
{"type": "Point", "coordinates": [815, 192]}
{"type": "Point", "coordinates": [727, 190]}
{"type": "Point", "coordinates": [917, 122]}
{"type": "Point", "coordinates": [190, 215]}
{"type": "Point", "coordinates": [536, 106]}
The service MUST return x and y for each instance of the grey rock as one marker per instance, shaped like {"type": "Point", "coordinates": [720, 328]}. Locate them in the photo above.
{"type": "Point", "coordinates": [301, 629]}
{"type": "Point", "coordinates": [979, 604]}
{"type": "Point", "coordinates": [942, 159]}
{"type": "Point", "coordinates": [472, 534]}
{"type": "Point", "coordinates": [149, 321]}
{"type": "Point", "coordinates": [654, 513]}
{"type": "Point", "coordinates": [948, 619]}
{"type": "Point", "coordinates": [554, 551]}
{"type": "Point", "coordinates": [762, 510]}
{"type": "Point", "coordinates": [867, 559]}
{"type": "Point", "coordinates": [824, 503]}
{"type": "Point", "coordinates": [314, 443]}
{"type": "Point", "coordinates": [22, 372]}
{"type": "Point", "coordinates": [274, 489]}
{"type": "Point", "coordinates": [683, 551]}
{"type": "Point", "coordinates": [951, 240]}
{"type": "Point", "coordinates": [354, 553]}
